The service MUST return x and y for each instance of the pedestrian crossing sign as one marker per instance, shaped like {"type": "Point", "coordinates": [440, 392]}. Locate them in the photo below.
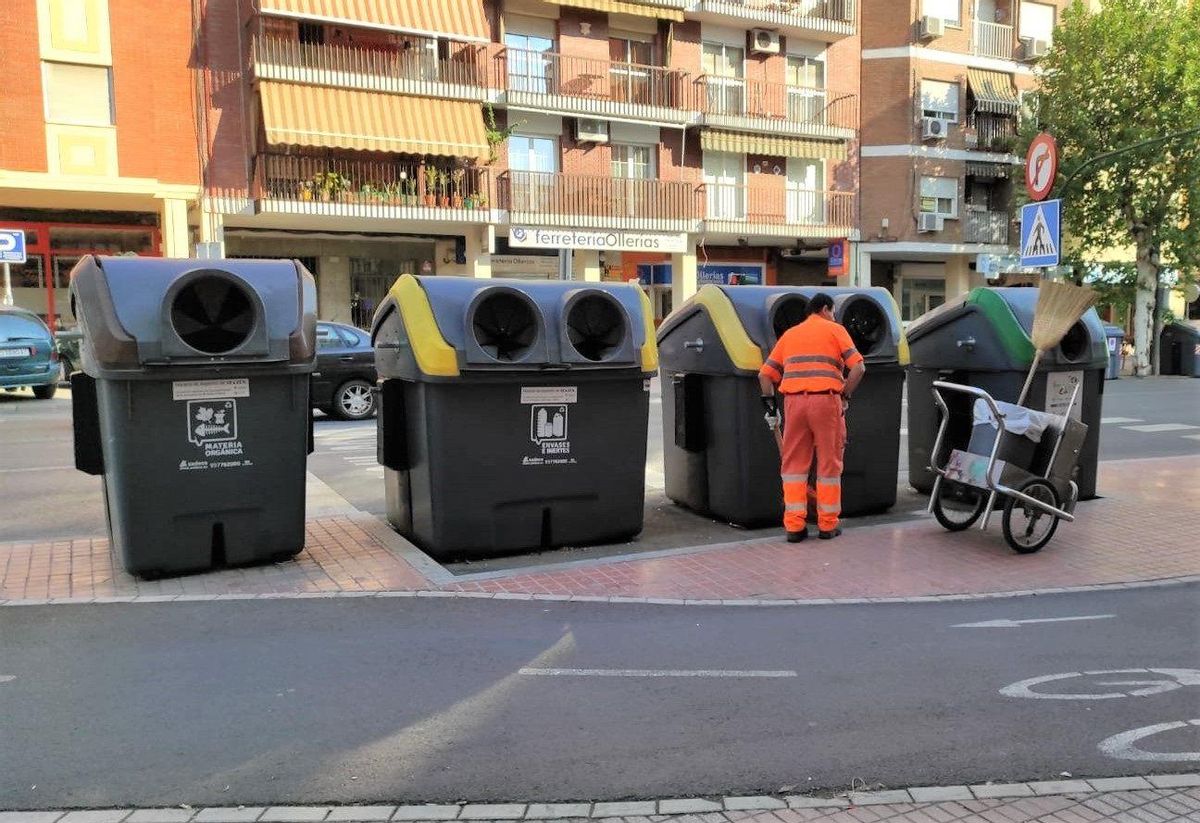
{"type": "Point", "coordinates": [1041, 236]}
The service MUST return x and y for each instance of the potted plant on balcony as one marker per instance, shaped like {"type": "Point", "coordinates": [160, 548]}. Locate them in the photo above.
{"type": "Point", "coordinates": [305, 190]}
{"type": "Point", "coordinates": [432, 176]}
{"type": "Point", "coordinates": [456, 187]}
{"type": "Point", "coordinates": [443, 189]}
{"type": "Point", "coordinates": [331, 185]}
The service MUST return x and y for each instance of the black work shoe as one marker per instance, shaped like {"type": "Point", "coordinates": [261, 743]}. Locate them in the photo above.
{"type": "Point", "coordinates": [797, 537]}
{"type": "Point", "coordinates": [829, 535]}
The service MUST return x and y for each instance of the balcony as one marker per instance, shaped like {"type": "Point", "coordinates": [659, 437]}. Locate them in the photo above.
{"type": "Point", "coordinates": [824, 19]}
{"type": "Point", "coordinates": [554, 199]}
{"type": "Point", "coordinates": [342, 187]}
{"type": "Point", "coordinates": [989, 227]}
{"type": "Point", "coordinates": [461, 72]}
{"type": "Point", "coordinates": [563, 84]}
{"type": "Point", "coordinates": [754, 105]}
{"type": "Point", "coordinates": [992, 40]}
{"type": "Point", "coordinates": [996, 133]}
{"type": "Point", "coordinates": [775, 210]}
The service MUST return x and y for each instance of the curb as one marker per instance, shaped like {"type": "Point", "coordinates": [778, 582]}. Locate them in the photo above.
{"type": "Point", "coordinates": [603, 810]}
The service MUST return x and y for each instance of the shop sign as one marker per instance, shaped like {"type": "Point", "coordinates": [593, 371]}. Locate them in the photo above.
{"type": "Point", "coordinates": [730, 274]}
{"type": "Point", "coordinates": [529, 237]}
{"type": "Point", "coordinates": [525, 266]}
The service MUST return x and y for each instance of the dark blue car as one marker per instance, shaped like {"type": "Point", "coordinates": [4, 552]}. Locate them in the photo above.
{"type": "Point", "coordinates": [27, 355]}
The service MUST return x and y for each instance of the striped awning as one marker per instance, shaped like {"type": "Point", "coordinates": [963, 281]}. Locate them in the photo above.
{"type": "Point", "coordinates": [623, 7]}
{"type": "Point", "coordinates": [771, 145]}
{"type": "Point", "coordinates": [461, 19]}
{"type": "Point", "coordinates": [296, 115]}
{"type": "Point", "coordinates": [994, 91]}
{"type": "Point", "coordinates": [993, 171]}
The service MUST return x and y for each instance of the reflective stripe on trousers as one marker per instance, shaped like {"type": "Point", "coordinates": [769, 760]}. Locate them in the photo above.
{"type": "Point", "coordinates": [812, 422]}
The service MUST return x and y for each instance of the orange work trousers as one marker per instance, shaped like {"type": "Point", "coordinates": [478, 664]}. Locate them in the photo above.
{"type": "Point", "coordinates": [812, 422]}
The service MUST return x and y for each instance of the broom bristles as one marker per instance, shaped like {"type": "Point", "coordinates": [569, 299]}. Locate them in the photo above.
{"type": "Point", "coordinates": [1059, 307]}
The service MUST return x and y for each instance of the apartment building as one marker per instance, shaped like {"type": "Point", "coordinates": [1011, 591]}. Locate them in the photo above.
{"type": "Point", "coordinates": [678, 142]}
{"type": "Point", "coordinates": [98, 150]}
{"type": "Point", "coordinates": [944, 85]}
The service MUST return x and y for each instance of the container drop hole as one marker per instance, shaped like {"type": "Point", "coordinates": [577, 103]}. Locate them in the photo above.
{"type": "Point", "coordinates": [505, 326]}
{"type": "Point", "coordinates": [212, 314]}
{"type": "Point", "coordinates": [1074, 345]}
{"type": "Point", "coordinates": [595, 326]}
{"type": "Point", "coordinates": [787, 312]}
{"type": "Point", "coordinates": [865, 322]}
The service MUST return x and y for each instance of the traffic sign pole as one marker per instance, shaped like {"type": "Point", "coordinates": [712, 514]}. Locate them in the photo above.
{"type": "Point", "coordinates": [8, 298]}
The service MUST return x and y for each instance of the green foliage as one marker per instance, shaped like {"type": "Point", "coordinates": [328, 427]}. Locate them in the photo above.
{"type": "Point", "coordinates": [495, 135]}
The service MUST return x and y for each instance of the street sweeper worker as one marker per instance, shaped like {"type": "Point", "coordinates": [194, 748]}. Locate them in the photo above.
{"type": "Point", "coordinates": [816, 368]}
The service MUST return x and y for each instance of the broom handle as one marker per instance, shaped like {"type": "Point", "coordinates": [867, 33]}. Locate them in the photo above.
{"type": "Point", "coordinates": [1037, 359]}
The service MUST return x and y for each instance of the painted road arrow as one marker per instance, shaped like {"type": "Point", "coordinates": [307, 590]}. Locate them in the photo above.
{"type": "Point", "coordinates": [1014, 624]}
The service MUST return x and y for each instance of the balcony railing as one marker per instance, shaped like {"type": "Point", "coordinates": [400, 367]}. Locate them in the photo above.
{"type": "Point", "coordinates": [597, 201]}
{"type": "Point", "coordinates": [992, 40]}
{"type": "Point", "coordinates": [304, 184]}
{"type": "Point", "coordinates": [995, 132]}
{"type": "Point", "coordinates": [417, 70]}
{"type": "Point", "coordinates": [828, 16]}
{"type": "Point", "coordinates": [606, 86]}
{"type": "Point", "coordinates": [774, 104]}
{"type": "Point", "coordinates": [771, 206]}
{"type": "Point", "coordinates": [986, 227]}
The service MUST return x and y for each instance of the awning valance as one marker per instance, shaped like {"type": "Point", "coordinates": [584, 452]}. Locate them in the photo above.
{"type": "Point", "coordinates": [297, 115]}
{"type": "Point", "coordinates": [623, 7]}
{"type": "Point", "coordinates": [460, 19]}
{"type": "Point", "coordinates": [993, 171]}
{"type": "Point", "coordinates": [771, 145]}
{"type": "Point", "coordinates": [994, 91]}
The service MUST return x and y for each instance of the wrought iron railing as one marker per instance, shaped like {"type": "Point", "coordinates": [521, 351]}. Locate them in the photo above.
{"type": "Point", "coordinates": [545, 72]}
{"type": "Point", "coordinates": [986, 227]}
{"type": "Point", "coordinates": [778, 102]}
{"type": "Point", "coordinates": [778, 205]}
{"type": "Point", "coordinates": [644, 200]}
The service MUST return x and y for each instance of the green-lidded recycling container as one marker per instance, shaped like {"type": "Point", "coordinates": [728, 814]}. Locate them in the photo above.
{"type": "Point", "coordinates": [513, 414]}
{"type": "Point", "coordinates": [720, 458]}
{"type": "Point", "coordinates": [193, 403]}
{"type": "Point", "coordinates": [983, 339]}
{"type": "Point", "coordinates": [1179, 350]}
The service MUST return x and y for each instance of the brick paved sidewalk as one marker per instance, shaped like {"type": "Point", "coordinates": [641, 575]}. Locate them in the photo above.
{"type": "Point", "coordinates": [1144, 530]}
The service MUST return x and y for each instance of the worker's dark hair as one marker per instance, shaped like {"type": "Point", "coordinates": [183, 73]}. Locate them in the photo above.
{"type": "Point", "coordinates": [819, 301]}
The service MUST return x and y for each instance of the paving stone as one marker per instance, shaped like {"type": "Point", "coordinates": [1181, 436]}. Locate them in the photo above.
{"type": "Point", "coordinates": [1174, 781]}
{"type": "Point", "coordinates": [692, 805]}
{"type": "Point", "coordinates": [492, 811]}
{"type": "Point", "coordinates": [295, 814]}
{"type": "Point", "coordinates": [246, 814]}
{"type": "Point", "coordinates": [940, 794]}
{"type": "Point", "coordinates": [802, 802]}
{"type": "Point", "coordinates": [97, 816]}
{"type": "Point", "coordinates": [753, 804]}
{"type": "Point", "coordinates": [161, 816]}
{"type": "Point", "coordinates": [993, 790]}
{"type": "Point", "coordinates": [426, 813]}
{"type": "Point", "coordinates": [633, 809]}
{"type": "Point", "coordinates": [360, 814]}
{"type": "Point", "coordinates": [878, 798]}
{"type": "Point", "coordinates": [1044, 787]}
{"type": "Point", "coordinates": [551, 811]}
{"type": "Point", "coordinates": [1120, 784]}
{"type": "Point", "coordinates": [29, 817]}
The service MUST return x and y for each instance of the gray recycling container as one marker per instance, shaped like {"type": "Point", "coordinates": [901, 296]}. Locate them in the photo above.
{"type": "Point", "coordinates": [193, 404]}
{"type": "Point", "coordinates": [720, 458]}
{"type": "Point", "coordinates": [1115, 337]}
{"type": "Point", "coordinates": [513, 414]}
{"type": "Point", "coordinates": [1180, 350]}
{"type": "Point", "coordinates": [982, 339]}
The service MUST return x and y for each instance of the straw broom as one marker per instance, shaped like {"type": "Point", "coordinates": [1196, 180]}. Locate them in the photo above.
{"type": "Point", "coordinates": [1059, 307]}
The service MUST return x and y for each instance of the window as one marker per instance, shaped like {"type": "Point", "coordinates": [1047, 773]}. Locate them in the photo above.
{"type": "Point", "coordinates": [529, 66]}
{"type": "Point", "coordinates": [327, 337]}
{"type": "Point", "coordinates": [1037, 21]}
{"type": "Point", "coordinates": [939, 195]}
{"type": "Point", "coordinates": [633, 162]}
{"type": "Point", "coordinates": [948, 10]}
{"type": "Point", "coordinates": [805, 72]}
{"type": "Point", "coordinates": [939, 99]}
{"type": "Point", "coordinates": [724, 178]}
{"type": "Point", "coordinates": [724, 67]}
{"type": "Point", "coordinates": [312, 34]}
{"type": "Point", "coordinates": [78, 95]}
{"type": "Point", "coordinates": [919, 295]}
{"type": "Point", "coordinates": [532, 153]}
{"type": "Point", "coordinates": [806, 84]}
{"type": "Point", "coordinates": [631, 82]}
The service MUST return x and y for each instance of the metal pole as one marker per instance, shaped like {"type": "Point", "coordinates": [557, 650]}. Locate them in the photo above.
{"type": "Point", "coordinates": [8, 298]}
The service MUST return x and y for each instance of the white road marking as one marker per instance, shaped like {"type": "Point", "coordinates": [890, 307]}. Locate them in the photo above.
{"type": "Point", "coordinates": [655, 673]}
{"type": "Point", "coordinates": [363, 447]}
{"type": "Point", "coordinates": [1121, 746]}
{"type": "Point", "coordinates": [7, 678]}
{"type": "Point", "coordinates": [1167, 680]}
{"type": "Point", "coordinates": [1192, 436]}
{"type": "Point", "coordinates": [1006, 623]}
{"type": "Point", "coordinates": [1155, 428]}
{"type": "Point", "coordinates": [38, 469]}
{"type": "Point", "coordinates": [1120, 420]}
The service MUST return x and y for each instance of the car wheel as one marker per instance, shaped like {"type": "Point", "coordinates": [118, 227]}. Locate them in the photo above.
{"type": "Point", "coordinates": [45, 392]}
{"type": "Point", "coordinates": [353, 400]}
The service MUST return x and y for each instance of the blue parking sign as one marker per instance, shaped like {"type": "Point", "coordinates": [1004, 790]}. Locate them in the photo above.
{"type": "Point", "coordinates": [1041, 233]}
{"type": "Point", "coordinates": [12, 246]}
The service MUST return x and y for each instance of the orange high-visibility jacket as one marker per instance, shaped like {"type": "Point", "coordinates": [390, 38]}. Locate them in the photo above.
{"type": "Point", "coordinates": [811, 357]}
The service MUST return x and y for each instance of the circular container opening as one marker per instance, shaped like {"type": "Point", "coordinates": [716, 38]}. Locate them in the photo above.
{"type": "Point", "coordinates": [788, 311]}
{"type": "Point", "coordinates": [868, 326]}
{"type": "Point", "coordinates": [595, 326]}
{"type": "Point", "coordinates": [505, 326]}
{"type": "Point", "coordinates": [212, 314]}
{"type": "Point", "coordinates": [1074, 345]}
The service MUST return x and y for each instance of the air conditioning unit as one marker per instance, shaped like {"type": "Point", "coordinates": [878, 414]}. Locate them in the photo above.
{"type": "Point", "coordinates": [930, 222]}
{"type": "Point", "coordinates": [931, 27]}
{"type": "Point", "coordinates": [763, 41]}
{"type": "Point", "coordinates": [591, 130]}
{"type": "Point", "coordinates": [934, 128]}
{"type": "Point", "coordinates": [1034, 49]}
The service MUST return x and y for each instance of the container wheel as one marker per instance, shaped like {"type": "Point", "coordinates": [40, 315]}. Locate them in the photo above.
{"type": "Point", "coordinates": [1026, 527]}
{"type": "Point", "coordinates": [957, 506]}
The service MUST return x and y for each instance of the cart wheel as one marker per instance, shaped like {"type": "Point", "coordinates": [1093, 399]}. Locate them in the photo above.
{"type": "Point", "coordinates": [957, 506]}
{"type": "Point", "coordinates": [1026, 527]}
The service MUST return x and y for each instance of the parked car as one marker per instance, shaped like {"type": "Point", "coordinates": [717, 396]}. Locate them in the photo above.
{"type": "Point", "coordinates": [345, 372]}
{"type": "Point", "coordinates": [27, 355]}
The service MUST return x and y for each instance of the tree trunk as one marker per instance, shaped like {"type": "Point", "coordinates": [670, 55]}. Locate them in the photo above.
{"type": "Point", "coordinates": [1144, 305]}
{"type": "Point", "coordinates": [1161, 304]}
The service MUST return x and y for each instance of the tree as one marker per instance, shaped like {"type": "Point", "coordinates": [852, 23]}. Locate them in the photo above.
{"type": "Point", "coordinates": [1115, 78]}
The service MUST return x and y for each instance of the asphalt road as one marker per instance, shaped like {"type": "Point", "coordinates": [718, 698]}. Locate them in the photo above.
{"type": "Point", "coordinates": [36, 462]}
{"type": "Point", "coordinates": [424, 700]}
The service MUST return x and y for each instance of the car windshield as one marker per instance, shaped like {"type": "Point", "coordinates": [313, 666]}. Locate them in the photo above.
{"type": "Point", "coordinates": [15, 327]}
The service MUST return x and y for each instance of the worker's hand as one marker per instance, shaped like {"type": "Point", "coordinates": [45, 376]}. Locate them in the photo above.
{"type": "Point", "coordinates": [774, 421]}
{"type": "Point", "coordinates": [770, 404]}
{"type": "Point", "coordinates": [845, 405]}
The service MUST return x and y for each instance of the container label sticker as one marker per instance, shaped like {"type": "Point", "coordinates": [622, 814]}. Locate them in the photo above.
{"type": "Point", "coordinates": [1060, 388]}
{"type": "Point", "coordinates": [210, 389]}
{"type": "Point", "coordinates": [549, 431]}
{"type": "Point", "coordinates": [646, 385]}
{"type": "Point", "coordinates": [212, 427]}
{"type": "Point", "coordinates": [541, 395]}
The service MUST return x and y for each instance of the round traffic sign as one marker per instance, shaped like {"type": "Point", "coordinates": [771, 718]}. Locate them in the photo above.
{"type": "Point", "coordinates": [1041, 166]}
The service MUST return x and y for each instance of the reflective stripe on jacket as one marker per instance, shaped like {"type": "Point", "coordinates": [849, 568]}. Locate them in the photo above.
{"type": "Point", "coordinates": [811, 357]}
